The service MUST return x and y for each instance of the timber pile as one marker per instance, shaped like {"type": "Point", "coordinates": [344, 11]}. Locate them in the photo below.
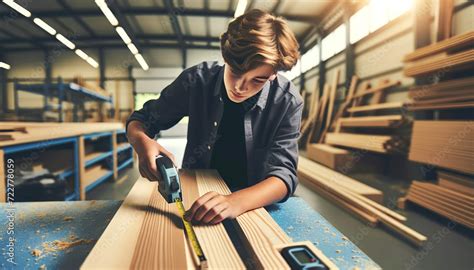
{"type": "Point", "coordinates": [447, 144]}
{"type": "Point", "coordinates": [147, 232]}
{"type": "Point", "coordinates": [94, 87]}
{"type": "Point", "coordinates": [336, 188]}
{"type": "Point", "coordinates": [452, 54]}
{"type": "Point", "coordinates": [452, 204]}
{"type": "Point", "coordinates": [450, 94]}
{"type": "Point", "coordinates": [376, 143]}
{"type": "Point", "coordinates": [330, 156]}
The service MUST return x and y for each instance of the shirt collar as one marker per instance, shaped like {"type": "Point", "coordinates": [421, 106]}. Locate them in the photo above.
{"type": "Point", "coordinates": [262, 100]}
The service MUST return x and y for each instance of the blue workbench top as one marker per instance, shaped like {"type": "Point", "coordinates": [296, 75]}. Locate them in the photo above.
{"type": "Point", "coordinates": [47, 226]}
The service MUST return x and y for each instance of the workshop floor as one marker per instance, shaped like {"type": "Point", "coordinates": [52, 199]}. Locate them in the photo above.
{"type": "Point", "coordinates": [450, 246]}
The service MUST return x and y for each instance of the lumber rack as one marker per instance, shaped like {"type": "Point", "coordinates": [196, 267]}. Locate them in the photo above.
{"type": "Point", "coordinates": [64, 92]}
{"type": "Point", "coordinates": [84, 159]}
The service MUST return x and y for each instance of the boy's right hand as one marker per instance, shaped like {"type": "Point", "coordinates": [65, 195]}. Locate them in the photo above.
{"type": "Point", "coordinates": [147, 150]}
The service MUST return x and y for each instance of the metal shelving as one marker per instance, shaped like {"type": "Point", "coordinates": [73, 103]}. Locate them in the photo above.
{"type": "Point", "coordinates": [64, 92]}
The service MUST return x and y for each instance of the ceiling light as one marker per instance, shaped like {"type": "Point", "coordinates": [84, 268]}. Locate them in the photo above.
{"type": "Point", "coordinates": [65, 41]}
{"type": "Point", "coordinates": [132, 48]}
{"type": "Point", "coordinates": [123, 35]}
{"type": "Point", "coordinates": [241, 6]}
{"type": "Point", "coordinates": [82, 54]}
{"type": "Point", "coordinates": [23, 11]}
{"type": "Point", "coordinates": [141, 61]}
{"type": "Point", "coordinates": [92, 62]}
{"type": "Point", "coordinates": [46, 27]}
{"type": "Point", "coordinates": [107, 12]}
{"type": "Point", "coordinates": [4, 65]}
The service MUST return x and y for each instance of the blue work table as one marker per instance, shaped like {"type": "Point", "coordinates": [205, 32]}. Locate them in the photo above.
{"type": "Point", "coordinates": [46, 225]}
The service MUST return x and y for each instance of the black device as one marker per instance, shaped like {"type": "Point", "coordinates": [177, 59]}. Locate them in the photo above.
{"type": "Point", "coordinates": [301, 257]}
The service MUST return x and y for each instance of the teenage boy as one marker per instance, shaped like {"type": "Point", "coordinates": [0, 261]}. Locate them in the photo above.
{"type": "Point", "coordinates": [244, 119]}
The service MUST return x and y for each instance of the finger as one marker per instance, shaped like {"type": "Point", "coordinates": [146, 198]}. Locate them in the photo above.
{"type": "Point", "coordinates": [151, 168]}
{"type": "Point", "coordinates": [200, 201]}
{"type": "Point", "coordinates": [214, 212]}
{"type": "Point", "coordinates": [169, 155]}
{"type": "Point", "coordinates": [207, 207]}
{"type": "Point", "coordinates": [148, 174]}
{"type": "Point", "coordinates": [220, 217]}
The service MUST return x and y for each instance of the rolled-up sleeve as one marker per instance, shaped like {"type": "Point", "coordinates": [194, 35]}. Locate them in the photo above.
{"type": "Point", "coordinates": [282, 157]}
{"type": "Point", "coordinates": [166, 111]}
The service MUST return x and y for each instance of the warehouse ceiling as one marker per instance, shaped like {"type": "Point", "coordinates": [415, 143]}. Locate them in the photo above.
{"type": "Point", "coordinates": [151, 23]}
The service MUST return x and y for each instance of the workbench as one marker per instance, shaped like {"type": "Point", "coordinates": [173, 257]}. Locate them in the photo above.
{"type": "Point", "coordinates": [39, 224]}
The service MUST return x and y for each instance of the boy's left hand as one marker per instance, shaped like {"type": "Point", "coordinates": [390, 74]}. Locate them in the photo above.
{"type": "Point", "coordinates": [213, 208]}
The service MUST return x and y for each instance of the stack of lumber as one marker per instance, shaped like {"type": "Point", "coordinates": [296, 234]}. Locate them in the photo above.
{"type": "Point", "coordinates": [449, 55]}
{"type": "Point", "coordinates": [330, 156]}
{"type": "Point", "coordinates": [94, 87]}
{"type": "Point", "coordinates": [452, 204]}
{"type": "Point", "coordinates": [375, 143]}
{"type": "Point", "coordinates": [342, 190]}
{"type": "Point", "coordinates": [450, 94]}
{"type": "Point", "coordinates": [147, 233]}
{"type": "Point", "coordinates": [382, 121]}
{"type": "Point", "coordinates": [447, 144]}
{"type": "Point", "coordinates": [456, 182]}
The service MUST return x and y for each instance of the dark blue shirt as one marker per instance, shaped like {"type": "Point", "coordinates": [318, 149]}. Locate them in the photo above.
{"type": "Point", "coordinates": [271, 125]}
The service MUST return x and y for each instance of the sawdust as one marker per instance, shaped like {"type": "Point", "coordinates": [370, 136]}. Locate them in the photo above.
{"type": "Point", "coordinates": [36, 252]}
{"type": "Point", "coordinates": [42, 267]}
{"type": "Point", "coordinates": [68, 218]}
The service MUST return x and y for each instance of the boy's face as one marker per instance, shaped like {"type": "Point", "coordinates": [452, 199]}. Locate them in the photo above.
{"type": "Point", "coordinates": [240, 87]}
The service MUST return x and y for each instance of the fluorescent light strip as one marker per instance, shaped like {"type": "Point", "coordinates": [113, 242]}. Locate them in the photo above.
{"type": "Point", "coordinates": [241, 6]}
{"type": "Point", "coordinates": [107, 12]}
{"type": "Point", "coordinates": [141, 61]}
{"type": "Point", "coordinates": [4, 65]}
{"type": "Point", "coordinates": [23, 11]}
{"type": "Point", "coordinates": [123, 35]}
{"type": "Point", "coordinates": [81, 54]}
{"type": "Point", "coordinates": [65, 41]}
{"type": "Point", "coordinates": [46, 27]}
{"type": "Point", "coordinates": [92, 62]}
{"type": "Point", "coordinates": [133, 49]}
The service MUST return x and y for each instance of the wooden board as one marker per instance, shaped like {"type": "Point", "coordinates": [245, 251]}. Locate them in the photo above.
{"type": "Point", "coordinates": [82, 167]}
{"type": "Point", "coordinates": [332, 100]}
{"type": "Point", "coordinates": [452, 44]}
{"type": "Point", "coordinates": [48, 131]}
{"type": "Point", "coordinates": [145, 233]}
{"type": "Point", "coordinates": [447, 144]}
{"type": "Point", "coordinates": [314, 133]}
{"type": "Point", "coordinates": [373, 107]}
{"type": "Point", "coordinates": [455, 62]}
{"type": "Point", "coordinates": [382, 121]}
{"type": "Point", "coordinates": [352, 184]}
{"type": "Point", "coordinates": [330, 156]}
{"type": "Point", "coordinates": [114, 155]}
{"type": "Point", "coordinates": [456, 182]}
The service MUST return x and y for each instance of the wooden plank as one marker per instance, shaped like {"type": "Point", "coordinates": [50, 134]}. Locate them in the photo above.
{"type": "Point", "coordinates": [328, 155]}
{"type": "Point", "coordinates": [258, 228]}
{"type": "Point", "coordinates": [82, 167]}
{"type": "Point", "coordinates": [444, 18]}
{"type": "Point", "coordinates": [114, 248]}
{"type": "Point", "coordinates": [48, 131]}
{"type": "Point", "coordinates": [316, 127]}
{"type": "Point", "coordinates": [332, 100]}
{"type": "Point", "coordinates": [455, 62]}
{"type": "Point", "coordinates": [3, 178]}
{"type": "Point", "coordinates": [382, 87]}
{"type": "Point", "coordinates": [352, 184]}
{"type": "Point", "coordinates": [384, 121]}
{"type": "Point", "coordinates": [114, 155]}
{"type": "Point", "coordinates": [373, 107]}
{"type": "Point", "coordinates": [455, 43]}
{"type": "Point", "coordinates": [331, 184]}
{"type": "Point", "coordinates": [456, 182]}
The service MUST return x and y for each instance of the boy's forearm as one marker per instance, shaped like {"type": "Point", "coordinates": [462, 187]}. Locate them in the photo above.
{"type": "Point", "coordinates": [135, 131]}
{"type": "Point", "coordinates": [264, 193]}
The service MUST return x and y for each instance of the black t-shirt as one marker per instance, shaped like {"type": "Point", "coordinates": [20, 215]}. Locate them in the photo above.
{"type": "Point", "coordinates": [229, 156]}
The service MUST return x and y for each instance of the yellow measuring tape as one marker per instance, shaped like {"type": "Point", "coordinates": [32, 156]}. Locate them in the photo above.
{"type": "Point", "coordinates": [190, 233]}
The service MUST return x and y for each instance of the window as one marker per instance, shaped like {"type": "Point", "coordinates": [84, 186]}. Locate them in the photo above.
{"type": "Point", "coordinates": [334, 42]}
{"type": "Point", "coordinates": [375, 15]}
{"type": "Point", "coordinates": [141, 98]}
{"type": "Point", "coordinates": [310, 59]}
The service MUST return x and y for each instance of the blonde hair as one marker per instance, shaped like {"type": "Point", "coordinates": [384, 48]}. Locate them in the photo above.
{"type": "Point", "coordinates": [256, 38]}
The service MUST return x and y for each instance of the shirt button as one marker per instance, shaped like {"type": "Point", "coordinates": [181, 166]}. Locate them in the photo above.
{"type": "Point", "coordinates": [220, 99]}
{"type": "Point", "coordinates": [209, 147]}
{"type": "Point", "coordinates": [215, 124]}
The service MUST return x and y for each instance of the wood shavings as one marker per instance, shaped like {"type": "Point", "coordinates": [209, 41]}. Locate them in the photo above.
{"type": "Point", "coordinates": [68, 218]}
{"type": "Point", "coordinates": [36, 252]}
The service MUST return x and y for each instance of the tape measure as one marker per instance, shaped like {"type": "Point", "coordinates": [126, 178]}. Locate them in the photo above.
{"type": "Point", "coordinates": [191, 234]}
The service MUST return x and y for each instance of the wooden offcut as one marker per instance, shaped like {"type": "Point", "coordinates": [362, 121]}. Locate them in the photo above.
{"type": "Point", "coordinates": [330, 156]}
